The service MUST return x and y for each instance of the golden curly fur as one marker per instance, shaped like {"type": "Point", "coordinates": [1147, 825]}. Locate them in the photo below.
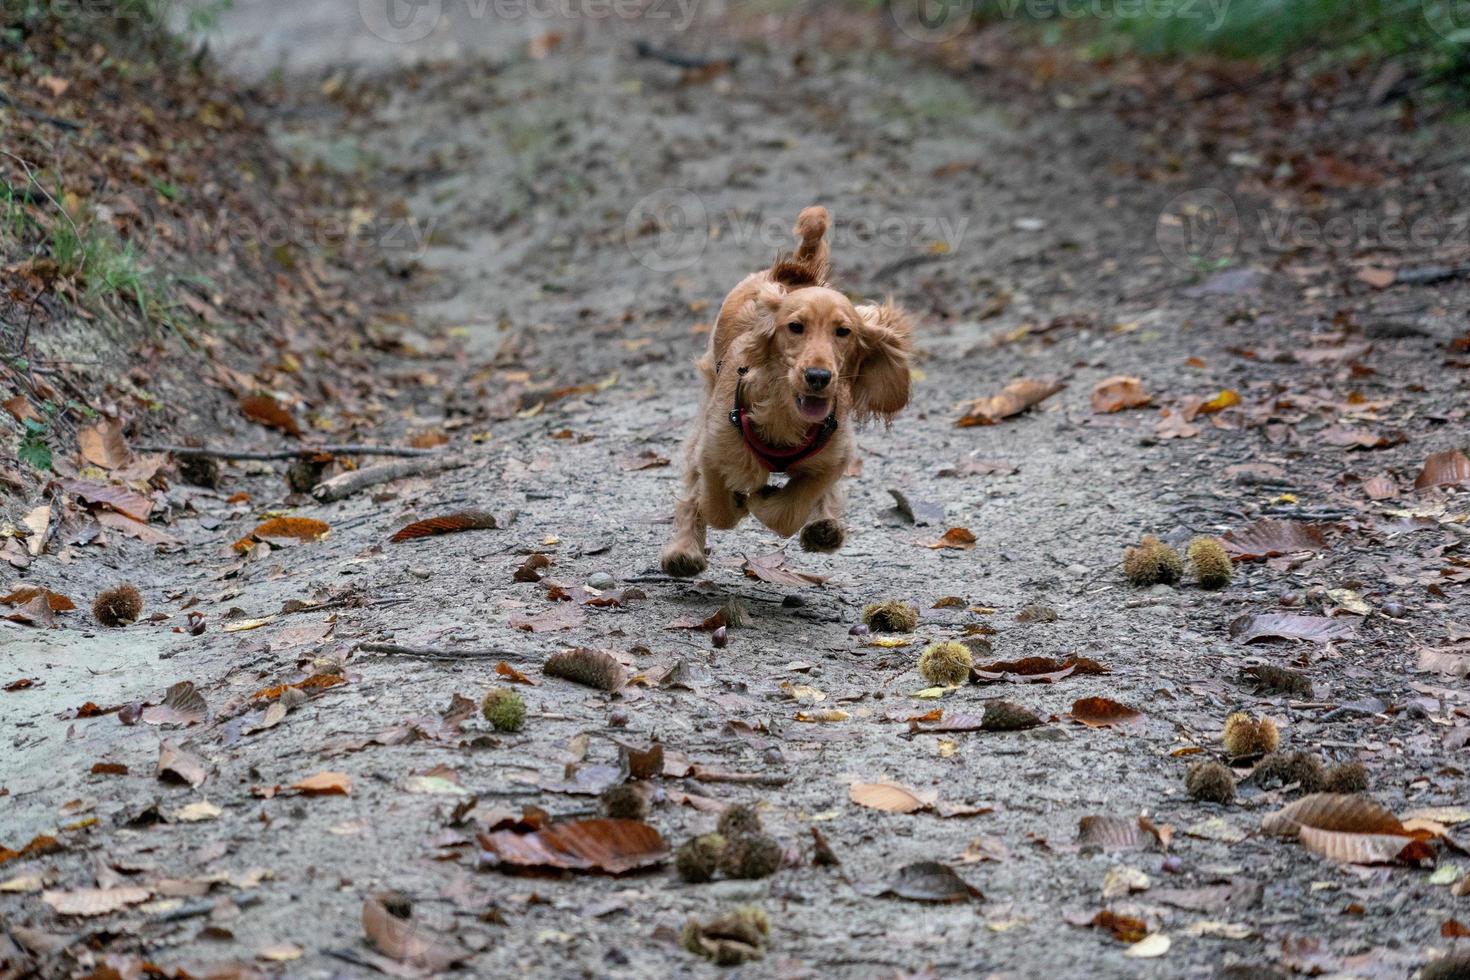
{"type": "Point", "coordinates": [806, 351]}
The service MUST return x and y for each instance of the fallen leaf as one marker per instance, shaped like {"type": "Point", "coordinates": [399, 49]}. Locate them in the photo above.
{"type": "Point", "coordinates": [584, 665]}
{"type": "Point", "coordinates": [103, 445]}
{"type": "Point", "coordinates": [466, 520]}
{"type": "Point", "coordinates": [1377, 277]}
{"type": "Point", "coordinates": [1118, 393]}
{"type": "Point", "coordinates": [388, 924]}
{"type": "Point", "coordinates": [95, 901]}
{"type": "Point", "coordinates": [505, 670]}
{"type": "Point", "coordinates": [1380, 487]}
{"type": "Point", "coordinates": [1289, 626]}
{"type": "Point", "coordinates": [595, 845]}
{"type": "Point", "coordinates": [959, 538]}
{"type": "Point", "coordinates": [1268, 537]}
{"type": "Point", "coordinates": [277, 528]}
{"type": "Point", "coordinates": [927, 881]}
{"type": "Point", "coordinates": [533, 569]}
{"type": "Point", "coordinates": [772, 568]}
{"type": "Point", "coordinates": [38, 523]}
{"type": "Point", "coordinates": [182, 705]}
{"type": "Point", "coordinates": [1227, 398]}
{"type": "Point", "coordinates": [281, 953]}
{"type": "Point", "coordinates": [646, 460]}
{"type": "Point", "coordinates": [1113, 834]}
{"type": "Point", "coordinates": [1444, 469]}
{"type": "Point", "coordinates": [1347, 828]}
{"type": "Point", "coordinates": [891, 797]}
{"type": "Point", "coordinates": [1014, 399]}
{"type": "Point", "coordinates": [1125, 928]}
{"type": "Point", "coordinates": [562, 616]}
{"type": "Point", "coordinates": [179, 765]}
{"type": "Point", "coordinates": [1035, 670]}
{"type": "Point", "coordinates": [826, 715]}
{"type": "Point", "coordinates": [325, 784]}
{"type": "Point", "coordinates": [196, 812]}
{"type": "Point", "coordinates": [1104, 713]}
{"type": "Point", "coordinates": [269, 412]}
{"type": "Point", "coordinates": [25, 593]}
{"type": "Point", "coordinates": [1150, 947]}
{"type": "Point", "coordinates": [118, 499]}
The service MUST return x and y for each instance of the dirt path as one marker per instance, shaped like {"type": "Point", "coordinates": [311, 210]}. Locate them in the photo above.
{"type": "Point", "coordinates": [541, 184]}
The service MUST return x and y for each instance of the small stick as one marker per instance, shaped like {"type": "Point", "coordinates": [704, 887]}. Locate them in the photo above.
{"type": "Point", "coordinates": [343, 486]}
{"type": "Point", "coordinates": [286, 453]}
{"type": "Point", "coordinates": [644, 49]}
{"type": "Point", "coordinates": [747, 778]}
{"type": "Point", "coordinates": [433, 653]}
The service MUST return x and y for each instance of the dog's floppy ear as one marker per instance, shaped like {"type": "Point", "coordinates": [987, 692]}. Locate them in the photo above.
{"type": "Point", "coordinates": [761, 311]}
{"type": "Point", "coordinates": [881, 385]}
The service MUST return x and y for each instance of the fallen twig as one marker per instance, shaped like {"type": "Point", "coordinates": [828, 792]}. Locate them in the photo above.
{"type": "Point", "coordinates": [287, 453]}
{"type": "Point", "coordinates": [745, 778]}
{"type": "Point", "coordinates": [343, 486]}
{"type": "Point", "coordinates": [434, 653]}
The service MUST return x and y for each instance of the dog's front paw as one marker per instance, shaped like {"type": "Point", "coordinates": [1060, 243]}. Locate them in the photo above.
{"type": "Point", "coordinates": [824, 535]}
{"type": "Point", "coordinates": [682, 563]}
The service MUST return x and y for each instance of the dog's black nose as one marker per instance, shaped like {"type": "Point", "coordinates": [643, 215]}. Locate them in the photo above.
{"type": "Point", "coordinates": [817, 378]}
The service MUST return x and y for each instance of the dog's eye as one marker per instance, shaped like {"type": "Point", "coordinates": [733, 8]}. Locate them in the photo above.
{"type": "Point", "coordinates": [795, 327]}
{"type": "Point", "coordinates": [843, 331]}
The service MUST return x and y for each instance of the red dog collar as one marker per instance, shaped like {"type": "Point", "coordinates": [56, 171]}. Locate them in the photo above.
{"type": "Point", "coordinates": [780, 460]}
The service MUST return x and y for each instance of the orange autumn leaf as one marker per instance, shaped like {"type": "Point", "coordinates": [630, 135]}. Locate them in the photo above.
{"type": "Point", "coordinates": [299, 528]}
{"type": "Point", "coordinates": [269, 412]}
{"type": "Point", "coordinates": [314, 682]}
{"type": "Point", "coordinates": [961, 538]}
{"type": "Point", "coordinates": [1014, 399]}
{"type": "Point", "coordinates": [1117, 393]}
{"type": "Point", "coordinates": [325, 784]}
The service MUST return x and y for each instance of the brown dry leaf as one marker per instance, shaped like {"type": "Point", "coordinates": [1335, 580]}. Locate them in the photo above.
{"type": "Point", "coordinates": [296, 528]}
{"type": "Point", "coordinates": [182, 705]}
{"type": "Point", "coordinates": [180, 766]}
{"type": "Point", "coordinates": [313, 682]}
{"type": "Point", "coordinates": [388, 924]}
{"type": "Point", "coordinates": [708, 623]}
{"type": "Point", "coordinates": [119, 499]}
{"type": "Point", "coordinates": [95, 901]}
{"type": "Point", "coordinates": [1014, 399]}
{"type": "Point", "coordinates": [559, 617]}
{"type": "Point", "coordinates": [1347, 828]}
{"type": "Point", "coordinates": [927, 881]}
{"type": "Point", "coordinates": [584, 665]}
{"type": "Point", "coordinates": [1448, 661]}
{"type": "Point", "coordinates": [36, 612]}
{"type": "Point", "coordinates": [1119, 392]}
{"type": "Point", "coordinates": [1118, 834]}
{"type": "Point", "coordinates": [38, 846]}
{"type": "Point", "coordinates": [1347, 437]}
{"type": "Point", "coordinates": [1381, 487]}
{"type": "Point", "coordinates": [124, 524]}
{"type": "Point", "coordinates": [325, 784]}
{"type": "Point", "coordinates": [25, 593]}
{"type": "Point", "coordinates": [1332, 811]}
{"type": "Point", "coordinates": [1035, 670]}
{"type": "Point", "coordinates": [1125, 928]}
{"type": "Point", "coordinates": [1444, 469]}
{"type": "Point", "coordinates": [772, 568]}
{"type": "Point", "coordinates": [594, 845]}
{"type": "Point", "coordinates": [646, 460]}
{"type": "Point", "coordinates": [1268, 537]}
{"type": "Point", "coordinates": [465, 520]}
{"type": "Point", "coordinates": [1377, 277]}
{"type": "Point", "coordinates": [269, 412]}
{"type": "Point", "coordinates": [533, 569]}
{"type": "Point", "coordinates": [959, 538]}
{"type": "Point", "coordinates": [103, 445]}
{"type": "Point", "coordinates": [891, 797]}
{"type": "Point", "coordinates": [1288, 626]}
{"type": "Point", "coordinates": [1105, 712]}
{"type": "Point", "coordinates": [1174, 425]}
{"type": "Point", "coordinates": [505, 670]}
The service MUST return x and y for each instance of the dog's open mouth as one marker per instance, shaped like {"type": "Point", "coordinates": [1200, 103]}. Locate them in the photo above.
{"type": "Point", "coordinates": [812, 408]}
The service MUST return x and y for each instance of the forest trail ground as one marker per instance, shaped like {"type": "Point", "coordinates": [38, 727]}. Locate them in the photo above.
{"type": "Point", "coordinates": [584, 211]}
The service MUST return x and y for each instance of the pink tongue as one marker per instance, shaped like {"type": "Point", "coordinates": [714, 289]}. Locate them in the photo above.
{"type": "Point", "coordinates": [812, 409]}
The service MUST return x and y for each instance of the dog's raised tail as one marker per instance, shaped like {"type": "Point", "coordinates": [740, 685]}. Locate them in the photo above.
{"type": "Point", "coordinates": [809, 264]}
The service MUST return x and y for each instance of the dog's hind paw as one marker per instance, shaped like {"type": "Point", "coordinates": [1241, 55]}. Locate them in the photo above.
{"type": "Point", "coordinates": [823, 535]}
{"type": "Point", "coordinates": [684, 564]}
